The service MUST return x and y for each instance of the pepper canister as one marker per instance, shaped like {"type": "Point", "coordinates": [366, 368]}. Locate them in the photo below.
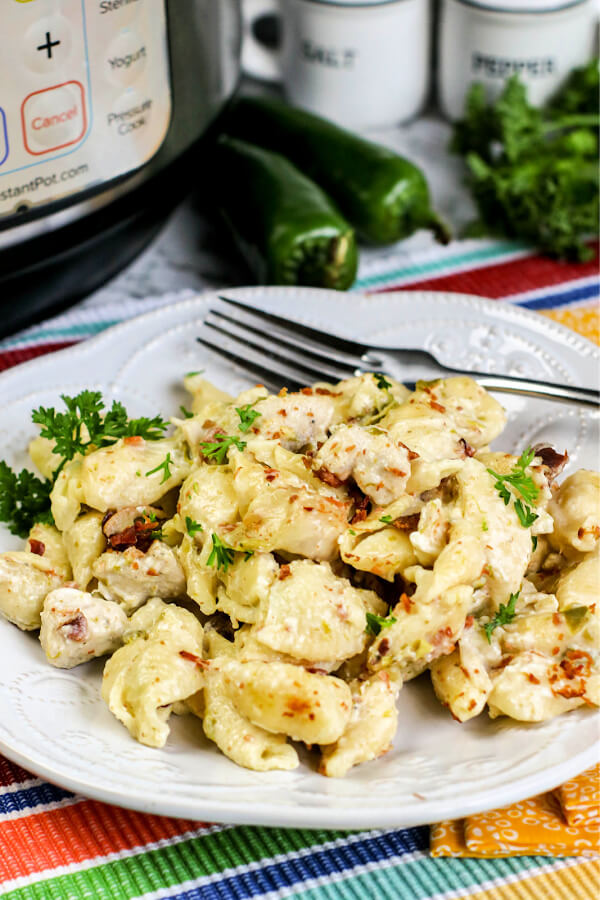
{"type": "Point", "coordinates": [490, 40]}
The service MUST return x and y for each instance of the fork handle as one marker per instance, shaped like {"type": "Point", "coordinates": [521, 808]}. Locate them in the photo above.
{"type": "Point", "coordinates": [562, 393]}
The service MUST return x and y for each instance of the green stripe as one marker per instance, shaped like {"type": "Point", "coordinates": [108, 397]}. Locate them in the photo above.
{"type": "Point", "coordinates": [498, 250]}
{"type": "Point", "coordinates": [208, 854]}
{"type": "Point", "coordinates": [423, 878]}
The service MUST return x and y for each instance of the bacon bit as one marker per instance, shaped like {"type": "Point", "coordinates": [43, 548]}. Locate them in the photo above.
{"type": "Point", "coordinates": [385, 677]}
{"type": "Point", "coordinates": [407, 523]}
{"type": "Point", "coordinates": [555, 651]}
{"type": "Point", "coordinates": [284, 572]}
{"type": "Point", "coordinates": [472, 704]}
{"type": "Point", "coordinates": [314, 670]}
{"type": "Point", "coordinates": [127, 538]}
{"type": "Point", "coordinates": [37, 547]}
{"type": "Point", "coordinates": [570, 692]}
{"type": "Point", "coordinates": [201, 663]}
{"type": "Point", "coordinates": [359, 516]}
{"type": "Point", "coordinates": [135, 440]}
{"type": "Point", "coordinates": [350, 448]}
{"type": "Point", "coordinates": [282, 412]}
{"type": "Point", "coordinates": [328, 477]}
{"type": "Point", "coordinates": [576, 663]}
{"type": "Point", "coordinates": [297, 705]}
{"type": "Point", "coordinates": [504, 662]}
{"type": "Point", "coordinates": [78, 628]}
{"type": "Point", "coordinates": [553, 461]}
{"type": "Point", "coordinates": [441, 635]}
{"type": "Point", "coordinates": [325, 392]}
{"type": "Point", "coordinates": [283, 392]}
{"type": "Point", "coordinates": [397, 472]}
{"type": "Point", "coordinates": [407, 603]}
{"type": "Point", "coordinates": [307, 462]}
{"type": "Point", "coordinates": [465, 672]}
{"type": "Point", "coordinates": [153, 572]}
{"type": "Point", "coordinates": [311, 716]}
{"type": "Point", "coordinates": [595, 530]}
{"type": "Point", "coordinates": [271, 474]}
{"type": "Point", "coordinates": [468, 450]}
{"type": "Point", "coordinates": [556, 619]}
{"type": "Point", "coordinates": [383, 647]}
{"type": "Point", "coordinates": [307, 391]}
{"type": "Point", "coordinates": [411, 453]}
{"type": "Point", "coordinates": [469, 621]}
{"type": "Point", "coordinates": [437, 406]}
{"type": "Point", "coordinates": [531, 677]}
{"type": "Point", "coordinates": [308, 508]}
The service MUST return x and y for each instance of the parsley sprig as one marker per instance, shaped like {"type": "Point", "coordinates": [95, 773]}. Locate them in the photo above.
{"type": "Point", "coordinates": [247, 416]}
{"type": "Point", "coordinates": [387, 520]}
{"type": "Point", "coordinates": [521, 482]}
{"type": "Point", "coordinates": [165, 467]}
{"type": "Point", "coordinates": [221, 556]}
{"type": "Point", "coordinates": [504, 616]}
{"type": "Point", "coordinates": [24, 500]}
{"type": "Point", "coordinates": [192, 527]}
{"type": "Point", "coordinates": [376, 623]}
{"type": "Point", "coordinates": [382, 383]}
{"type": "Point", "coordinates": [219, 448]}
{"type": "Point", "coordinates": [85, 425]}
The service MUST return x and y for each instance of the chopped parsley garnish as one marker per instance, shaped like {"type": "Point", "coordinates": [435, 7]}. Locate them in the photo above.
{"type": "Point", "coordinates": [221, 555]}
{"type": "Point", "coordinates": [248, 554]}
{"type": "Point", "coordinates": [192, 527]}
{"type": "Point", "coordinates": [164, 466]}
{"type": "Point", "coordinates": [484, 525]}
{"type": "Point", "coordinates": [186, 413]}
{"type": "Point", "coordinates": [376, 623]}
{"type": "Point", "coordinates": [247, 416]}
{"type": "Point", "coordinates": [86, 425]}
{"type": "Point", "coordinates": [521, 482]}
{"type": "Point", "coordinates": [387, 520]}
{"type": "Point", "coordinates": [382, 383]}
{"type": "Point", "coordinates": [219, 448]}
{"type": "Point", "coordinates": [191, 374]}
{"type": "Point", "coordinates": [534, 541]}
{"type": "Point", "coordinates": [504, 616]}
{"type": "Point", "coordinates": [352, 532]}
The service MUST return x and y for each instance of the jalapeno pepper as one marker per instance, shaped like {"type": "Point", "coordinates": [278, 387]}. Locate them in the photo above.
{"type": "Point", "coordinates": [286, 227]}
{"type": "Point", "coordinates": [382, 194]}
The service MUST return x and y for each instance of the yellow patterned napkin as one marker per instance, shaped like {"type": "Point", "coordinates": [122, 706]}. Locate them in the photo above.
{"type": "Point", "coordinates": [563, 822]}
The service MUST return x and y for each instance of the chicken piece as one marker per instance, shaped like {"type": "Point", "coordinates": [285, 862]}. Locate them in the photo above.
{"type": "Point", "coordinates": [295, 420]}
{"type": "Point", "coordinates": [77, 626]}
{"type": "Point", "coordinates": [130, 578]}
{"type": "Point", "coordinates": [380, 466]}
{"type": "Point", "coordinates": [25, 580]}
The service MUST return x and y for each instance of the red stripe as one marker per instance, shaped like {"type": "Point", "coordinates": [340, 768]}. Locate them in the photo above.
{"type": "Point", "coordinates": [10, 773]}
{"type": "Point", "coordinates": [503, 279]}
{"type": "Point", "coordinates": [9, 358]}
{"type": "Point", "coordinates": [71, 835]}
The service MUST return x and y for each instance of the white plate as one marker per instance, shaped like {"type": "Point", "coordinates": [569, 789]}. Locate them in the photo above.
{"type": "Point", "coordinates": [54, 723]}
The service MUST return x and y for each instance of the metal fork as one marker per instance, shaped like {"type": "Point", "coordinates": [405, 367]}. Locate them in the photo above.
{"type": "Point", "coordinates": [284, 353]}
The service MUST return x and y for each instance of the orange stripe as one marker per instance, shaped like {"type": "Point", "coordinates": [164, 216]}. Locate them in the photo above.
{"type": "Point", "coordinates": [73, 834]}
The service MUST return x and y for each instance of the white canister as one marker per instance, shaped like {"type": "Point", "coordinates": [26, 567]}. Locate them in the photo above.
{"type": "Point", "coordinates": [362, 63]}
{"type": "Point", "coordinates": [490, 40]}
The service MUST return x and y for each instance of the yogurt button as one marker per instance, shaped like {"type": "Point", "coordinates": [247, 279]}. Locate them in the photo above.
{"type": "Point", "coordinates": [54, 117]}
{"type": "Point", "coordinates": [126, 58]}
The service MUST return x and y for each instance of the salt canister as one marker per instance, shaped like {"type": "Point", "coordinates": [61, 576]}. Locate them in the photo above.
{"type": "Point", "coordinates": [490, 40]}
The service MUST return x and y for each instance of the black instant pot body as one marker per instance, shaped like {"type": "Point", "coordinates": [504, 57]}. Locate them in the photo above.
{"type": "Point", "coordinates": [101, 137]}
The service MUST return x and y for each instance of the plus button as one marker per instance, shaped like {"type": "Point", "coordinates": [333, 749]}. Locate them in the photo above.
{"type": "Point", "coordinates": [48, 45]}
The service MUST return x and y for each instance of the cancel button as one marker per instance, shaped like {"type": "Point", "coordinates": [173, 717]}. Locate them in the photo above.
{"type": "Point", "coordinates": [53, 118]}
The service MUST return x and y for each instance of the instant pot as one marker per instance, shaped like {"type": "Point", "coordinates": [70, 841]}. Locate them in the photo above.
{"type": "Point", "coordinates": [102, 108]}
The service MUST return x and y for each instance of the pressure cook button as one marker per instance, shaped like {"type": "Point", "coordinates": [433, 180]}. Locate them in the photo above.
{"type": "Point", "coordinates": [126, 57]}
{"type": "Point", "coordinates": [54, 117]}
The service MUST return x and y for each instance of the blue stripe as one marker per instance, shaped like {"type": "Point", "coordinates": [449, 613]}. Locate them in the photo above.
{"type": "Point", "coordinates": [562, 298]}
{"type": "Point", "coordinates": [376, 848]}
{"type": "Point", "coordinates": [31, 797]}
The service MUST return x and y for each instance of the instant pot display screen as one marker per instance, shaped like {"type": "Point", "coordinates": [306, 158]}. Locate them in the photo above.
{"type": "Point", "coordinates": [86, 95]}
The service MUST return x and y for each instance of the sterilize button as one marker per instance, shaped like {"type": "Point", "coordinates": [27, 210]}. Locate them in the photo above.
{"type": "Point", "coordinates": [54, 117]}
{"type": "Point", "coordinates": [47, 44]}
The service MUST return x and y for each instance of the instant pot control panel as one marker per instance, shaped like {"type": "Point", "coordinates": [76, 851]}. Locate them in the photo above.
{"type": "Point", "coordinates": [84, 95]}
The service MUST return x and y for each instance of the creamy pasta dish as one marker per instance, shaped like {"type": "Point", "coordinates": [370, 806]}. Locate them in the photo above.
{"type": "Point", "coordinates": [281, 565]}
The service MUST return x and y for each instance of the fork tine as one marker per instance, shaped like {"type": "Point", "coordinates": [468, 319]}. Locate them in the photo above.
{"type": "Point", "coordinates": [320, 343]}
{"type": "Point", "coordinates": [270, 375]}
{"type": "Point", "coordinates": [264, 344]}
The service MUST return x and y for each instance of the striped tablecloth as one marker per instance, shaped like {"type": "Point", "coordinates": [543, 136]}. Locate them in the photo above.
{"type": "Point", "coordinates": [54, 844]}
